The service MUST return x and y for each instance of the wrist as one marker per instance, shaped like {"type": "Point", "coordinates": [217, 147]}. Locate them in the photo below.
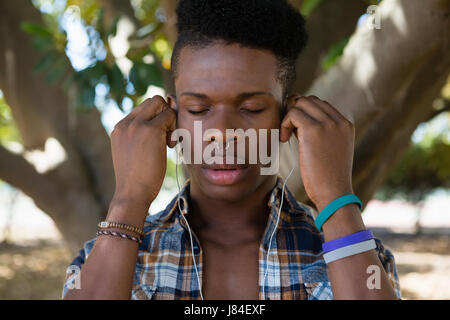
{"type": "Point", "coordinates": [328, 196]}
{"type": "Point", "coordinates": [127, 212]}
{"type": "Point", "coordinates": [346, 220]}
{"type": "Point", "coordinates": [132, 198]}
{"type": "Point", "coordinates": [137, 194]}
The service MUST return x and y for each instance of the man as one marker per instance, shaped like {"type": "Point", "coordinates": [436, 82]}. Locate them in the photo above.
{"type": "Point", "coordinates": [233, 65]}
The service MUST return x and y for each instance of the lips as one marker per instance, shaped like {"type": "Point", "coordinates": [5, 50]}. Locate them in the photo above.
{"type": "Point", "coordinates": [224, 174]}
{"type": "Point", "coordinates": [225, 166]}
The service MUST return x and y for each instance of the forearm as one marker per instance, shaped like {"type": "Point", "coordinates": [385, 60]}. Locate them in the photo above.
{"type": "Point", "coordinates": [348, 276]}
{"type": "Point", "coordinates": [108, 272]}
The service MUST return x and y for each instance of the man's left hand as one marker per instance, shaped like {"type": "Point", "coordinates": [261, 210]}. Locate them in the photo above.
{"type": "Point", "coordinates": [326, 145]}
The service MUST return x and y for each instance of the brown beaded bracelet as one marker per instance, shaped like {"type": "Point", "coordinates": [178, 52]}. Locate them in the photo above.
{"type": "Point", "coordinates": [110, 224]}
{"type": "Point", "coordinates": [118, 234]}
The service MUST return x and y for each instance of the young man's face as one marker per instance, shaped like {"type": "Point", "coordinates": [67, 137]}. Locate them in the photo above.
{"type": "Point", "coordinates": [227, 87]}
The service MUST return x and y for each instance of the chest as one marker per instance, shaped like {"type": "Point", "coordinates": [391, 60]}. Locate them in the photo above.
{"type": "Point", "coordinates": [230, 272]}
{"type": "Point", "coordinates": [165, 270]}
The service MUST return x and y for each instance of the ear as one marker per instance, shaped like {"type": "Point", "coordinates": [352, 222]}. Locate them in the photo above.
{"type": "Point", "coordinates": [172, 101]}
{"type": "Point", "coordinates": [284, 107]}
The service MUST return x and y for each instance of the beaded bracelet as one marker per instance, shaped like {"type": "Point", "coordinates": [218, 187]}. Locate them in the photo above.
{"type": "Point", "coordinates": [118, 234]}
{"type": "Point", "coordinates": [110, 224]}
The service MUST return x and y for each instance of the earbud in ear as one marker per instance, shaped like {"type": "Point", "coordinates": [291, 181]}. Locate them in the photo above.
{"type": "Point", "coordinates": [172, 101]}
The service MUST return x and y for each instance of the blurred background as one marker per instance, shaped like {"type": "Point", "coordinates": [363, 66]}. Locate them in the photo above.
{"type": "Point", "coordinates": [71, 69]}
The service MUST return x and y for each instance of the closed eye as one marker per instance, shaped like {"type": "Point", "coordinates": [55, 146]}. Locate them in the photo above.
{"type": "Point", "coordinates": [197, 112]}
{"type": "Point", "coordinates": [253, 111]}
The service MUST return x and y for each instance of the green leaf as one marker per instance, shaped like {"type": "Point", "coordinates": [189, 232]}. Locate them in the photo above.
{"type": "Point", "coordinates": [100, 22]}
{"type": "Point", "coordinates": [97, 72]}
{"type": "Point", "coordinates": [68, 82]}
{"type": "Point", "coordinates": [143, 75]}
{"type": "Point", "coordinates": [86, 97]}
{"type": "Point", "coordinates": [45, 62]}
{"type": "Point", "coordinates": [116, 83]}
{"type": "Point", "coordinates": [113, 27]}
{"type": "Point", "coordinates": [308, 6]}
{"type": "Point", "coordinates": [8, 128]}
{"type": "Point", "coordinates": [334, 54]}
{"type": "Point", "coordinates": [56, 71]}
{"type": "Point", "coordinates": [36, 29]}
{"type": "Point", "coordinates": [92, 75]}
{"type": "Point", "coordinates": [42, 44]}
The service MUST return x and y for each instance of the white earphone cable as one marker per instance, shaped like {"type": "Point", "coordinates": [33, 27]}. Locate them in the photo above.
{"type": "Point", "coordinates": [270, 242]}
{"type": "Point", "coordinates": [278, 216]}
{"type": "Point", "coordinates": [189, 229]}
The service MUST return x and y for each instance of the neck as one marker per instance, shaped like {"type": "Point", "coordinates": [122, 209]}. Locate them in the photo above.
{"type": "Point", "coordinates": [230, 222]}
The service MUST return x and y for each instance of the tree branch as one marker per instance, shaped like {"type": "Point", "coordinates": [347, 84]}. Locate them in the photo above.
{"type": "Point", "coordinates": [116, 8]}
{"type": "Point", "coordinates": [55, 194]}
{"type": "Point", "coordinates": [329, 23]}
{"type": "Point", "coordinates": [435, 113]}
{"type": "Point", "coordinates": [18, 172]}
{"type": "Point", "coordinates": [388, 138]}
{"type": "Point", "coordinates": [170, 28]}
{"type": "Point", "coordinates": [17, 59]}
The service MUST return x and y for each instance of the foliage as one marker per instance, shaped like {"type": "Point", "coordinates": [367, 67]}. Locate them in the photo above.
{"type": "Point", "coordinates": [146, 43]}
{"type": "Point", "coordinates": [50, 44]}
{"type": "Point", "coordinates": [308, 6]}
{"type": "Point", "coordinates": [334, 54]}
{"type": "Point", "coordinates": [424, 168]}
{"type": "Point", "coordinates": [8, 131]}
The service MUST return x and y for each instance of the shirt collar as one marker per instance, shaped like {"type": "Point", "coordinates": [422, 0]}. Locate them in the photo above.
{"type": "Point", "coordinates": [289, 203]}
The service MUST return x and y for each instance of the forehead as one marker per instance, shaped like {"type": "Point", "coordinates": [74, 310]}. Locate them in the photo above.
{"type": "Point", "coordinates": [222, 70]}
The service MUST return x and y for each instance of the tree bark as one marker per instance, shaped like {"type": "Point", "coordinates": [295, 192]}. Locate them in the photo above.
{"type": "Point", "coordinates": [325, 26]}
{"type": "Point", "coordinates": [170, 26]}
{"type": "Point", "coordinates": [115, 9]}
{"type": "Point", "coordinates": [385, 84]}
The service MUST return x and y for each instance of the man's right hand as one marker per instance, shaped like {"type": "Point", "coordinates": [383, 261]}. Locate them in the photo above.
{"type": "Point", "coordinates": [138, 145]}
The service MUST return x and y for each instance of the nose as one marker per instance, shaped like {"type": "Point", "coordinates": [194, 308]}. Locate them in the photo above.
{"type": "Point", "coordinates": [222, 139]}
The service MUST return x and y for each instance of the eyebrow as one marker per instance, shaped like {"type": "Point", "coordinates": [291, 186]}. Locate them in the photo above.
{"type": "Point", "coordinates": [240, 96]}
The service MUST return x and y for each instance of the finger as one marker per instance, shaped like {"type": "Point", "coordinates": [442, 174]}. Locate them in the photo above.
{"type": "Point", "coordinates": [124, 122]}
{"type": "Point", "coordinates": [294, 121]}
{"type": "Point", "coordinates": [150, 108]}
{"type": "Point", "coordinates": [328, 108]}
{"type": "Point", "coordinates": [167, 121]}
{"type": "Point", "coordinates": [290, 100]}
{"type": "Point", "coordinates": [286, 130]}
{"type": "Point", "coordinates": [310, 107]}
{"type": "Point", "coordinates": [303, 112]}
{"type": "Point", "coordinates": [137, 109]}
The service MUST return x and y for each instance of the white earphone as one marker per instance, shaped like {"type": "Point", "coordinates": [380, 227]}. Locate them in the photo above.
{"type": "Point", "coordinates": [189, 229]}
{"type": "Point", "coordinates": [279, 212]}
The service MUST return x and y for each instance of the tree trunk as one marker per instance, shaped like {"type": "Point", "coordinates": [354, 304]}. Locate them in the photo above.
{"type": "Point", "coordinates": [76, 194]}
{"type": "Point", "coordinates": [325, 26]}
{"type": "Point", "coordinates": [385, 84]}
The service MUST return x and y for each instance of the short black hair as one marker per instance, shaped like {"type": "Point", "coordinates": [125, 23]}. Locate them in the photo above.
{"type": "Point", "coordinates": [272, 25]}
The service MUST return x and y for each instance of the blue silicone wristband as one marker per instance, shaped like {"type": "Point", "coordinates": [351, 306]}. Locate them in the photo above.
{"type": "Point", "coordinates": [333, 206]}
{"type": "Point", "coordinates": [347, 240]}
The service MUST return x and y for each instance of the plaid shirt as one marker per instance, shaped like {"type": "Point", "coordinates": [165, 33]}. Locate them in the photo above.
{"type": "Point", "coordinates": [165, 270]}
